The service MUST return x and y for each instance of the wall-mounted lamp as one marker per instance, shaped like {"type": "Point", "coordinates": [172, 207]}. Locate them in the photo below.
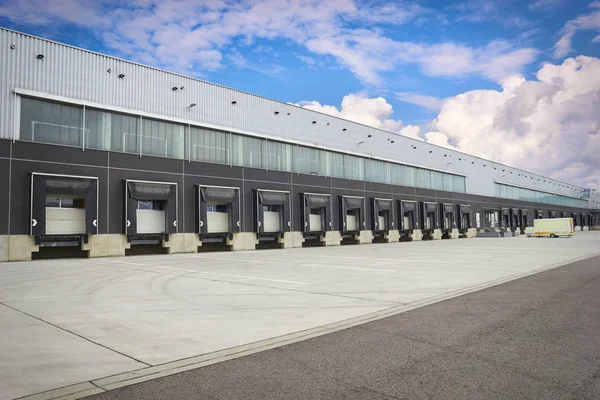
{"type": "Point", "coordinates": [359, 143]}
{"type": "Point", "coordinates": [108, 70]}
{"type": "Point", "coordinates": [314, 122]}
{"type": "Point", "coordinates": [174, 88]}
{"type": "Point", "coordinates": [288, 114]}
{"type": "Point", "coordinates": [40, 56]}
{"type": "Point", "coordinates": [369, 135]}
{"type": "Point", "coordinates": [276, 113]}
{"type": "Point", "coordinates": [344, 130]}
{"type": "Point", "coordinates": [392, 141]}
{"type": "Point", "coordinates": [12, 46]}
{"type": "Point", "coordinates": [181, 88]}
{"type": "Point", "coordinates": [192, 105]}
{"type": "Point", "coordinates": [121, 76]}
{"type": "Point", "coordinates": [328, 124]}
{"type": "Point", "coordinates": [233, 102]}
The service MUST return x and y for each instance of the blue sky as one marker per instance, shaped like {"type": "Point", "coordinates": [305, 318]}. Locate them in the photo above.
{"type": "Point", "coordinates": [428, 69]}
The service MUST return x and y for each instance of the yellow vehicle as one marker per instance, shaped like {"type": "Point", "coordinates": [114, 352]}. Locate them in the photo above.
{"type": "Point", "coordinates": [553, 227]}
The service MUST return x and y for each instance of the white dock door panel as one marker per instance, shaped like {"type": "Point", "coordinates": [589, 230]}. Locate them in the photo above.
{"type": "Point", "coordinates": [272, 221]}
{"type": "Point", "coordinates": [351, 223]}
{"type": "Point", "coordinates": [150, 221]}
{"type": "Point", "coordinates": [218, 222]}
{"type": "Point", "coordinates": [407, 222]}
{"type": "Point", "coordinates": [315, 222]}
{"type": "Point", "coordinates": [381, 222]}
{"type": "Point", "coordinates": [65, 221]}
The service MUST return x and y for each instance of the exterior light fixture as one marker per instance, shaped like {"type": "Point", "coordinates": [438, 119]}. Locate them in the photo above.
{"type": "Point", "coordinates": [12, 46]}
{"type": "Point", "coordinates": [234, 102]}
{"type": "Point", "coordinates": [344, 130]}
{"type": "Point", "coordinates": [392, 141]}
{"type": "Point", "coordinates": [108, 70]}
{"type": "Point", "coordinates": [288, 114]}
{"type": "Point", "coordinates": [121, 76]}
{"type": "Point", "coordinates": [369, 135]}
{"type": "Point", "coordinates": [430, 151]}
{"type": "Point", "coordinates": [175, 88]}
{"type": "Point", "coordinates": [40, 56]}
{"type": "Point", "coordinates": [314, 122]}
{"type": "Point", "coordinates": [276, 113]}
{"type": "Point", "coordinates": [192, 105]}
{"type": "Point", "coordinates": [359, 143]}
{"type": "Point", "coordinates": [181, 88]}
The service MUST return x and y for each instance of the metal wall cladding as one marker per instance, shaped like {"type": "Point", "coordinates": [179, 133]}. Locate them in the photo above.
{"type": "Point", "coordinates": [81, 75]}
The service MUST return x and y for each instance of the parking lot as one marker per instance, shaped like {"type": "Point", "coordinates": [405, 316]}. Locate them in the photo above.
{"type": "Point", "coordinates": [68, 322]}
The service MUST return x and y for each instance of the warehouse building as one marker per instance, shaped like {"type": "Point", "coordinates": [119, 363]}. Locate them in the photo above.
{"type": "Point", "coordinates": [104, 157]}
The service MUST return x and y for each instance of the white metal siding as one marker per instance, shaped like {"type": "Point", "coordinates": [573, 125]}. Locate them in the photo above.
{"type": "Point", "coordinates": [81, 75]}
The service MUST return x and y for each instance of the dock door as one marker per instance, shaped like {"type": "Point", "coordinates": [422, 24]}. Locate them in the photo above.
{"type": "Point", "coordinates": [431, 220]}
{"type": "Point", "coordinates": [272, 213]}
{"type": "Point", "coordinates": [63, 209]}
{"type": "Point", "coordinates": [409, 218]}
{"type": "Point", "coordinates": [464, 218]}
{"type": "Point", "coordinates": [316, 214]}
{"type": "Point", "coordinates": [218, 212]}
{"type": "Point", "coordinates": [383, 216]}
{"type": "Point", "coordinates": [150, 211]}
{"type": "Point", "coordinates": [448, 219]}
{"type": "Point", "coordinates": [352, 217]}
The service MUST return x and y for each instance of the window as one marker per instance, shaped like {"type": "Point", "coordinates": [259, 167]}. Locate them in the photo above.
{"type": "Point", "coordinates": [163, 139]}
{"type": "Point", "coordinates": [221, 208]}
{"type": "Point", "coordinates": [47, 122]}
{"type": "Point", "coordinates": [308, 161]}
{"type": "Point", "coordinates": [272, 208]}
{"type": "Point", "coordinates": [278, 156]}
{"type": "Point", "coordinates": [210, 146]}
{"type": "Point", "coordinates": [64, 202]}
{"type": "Point", "coordinates": [154, 205]}
{"type": "Point", "coordinates": [378, 171]}
{"type": "Point", "coordinates": [111, 131]}
{"type": "Point", "coordinates": [516, 193]}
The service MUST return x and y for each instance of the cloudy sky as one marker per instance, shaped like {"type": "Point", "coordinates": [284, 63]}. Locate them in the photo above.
{"type": "Point", "coordinates": [515, 81]}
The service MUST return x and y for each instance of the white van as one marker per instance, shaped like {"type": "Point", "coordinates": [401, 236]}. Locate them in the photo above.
{"type": "Point", "coordinates": [552, 227]}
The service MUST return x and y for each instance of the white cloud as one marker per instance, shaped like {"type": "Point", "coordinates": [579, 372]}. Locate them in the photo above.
{"type": "Point", "coordinates": [374, 111]}
{"type": "Point", "coordinates": [411, 131]}
{"type": "Point", "coordinates": [189, 36]}
{"type": "Point", "coordinates": [544, 5]}
{"type": "Point", "coordinates": [429, 102]}
{"type": "Point", "coordinates": [589, 21]}
{"type": "Point", "coordinates": [550, 125]}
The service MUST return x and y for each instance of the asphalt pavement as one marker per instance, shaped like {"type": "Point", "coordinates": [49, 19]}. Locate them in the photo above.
{"type": "Point", "coordinates": [534, 338]}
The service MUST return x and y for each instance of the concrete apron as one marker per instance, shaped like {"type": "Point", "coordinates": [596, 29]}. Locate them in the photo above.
{"type": "Point", "coordinates": [143, 374]}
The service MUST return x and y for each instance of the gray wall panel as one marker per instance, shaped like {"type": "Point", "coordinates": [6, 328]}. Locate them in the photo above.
{"type": "Point", "coordinates": [5, 148]}
{"type": "Point", "coordinates": [145, 163]}
{"type": "Point", "coordinates": [62, 154]}
{"type": "Point", "coordinates": [270, 176]}
{"type": "Point", "coordinates": [216, 170]}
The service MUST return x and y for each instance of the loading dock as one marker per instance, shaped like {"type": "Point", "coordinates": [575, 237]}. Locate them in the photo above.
{"type": "Point", "coordinates": [524, 220]}
{"type": "Point", "coordinates": [584, 222]}
{"type": "Point", "coordinates": [352, 218]}
{"type": "Point", "coordinates": [430, 221]}
{"type": "Point", "coordinates": [272, 215]}
{"type": "Point", "coordinates": [383, 218]}
{"type": "Point", "coordinates": [514, 220]}
{"type": "Point", "coordinates": [218, 213]}
{"type": "Point", "coordinates": [316, 217]}
{"type": "Point", "coordinates": [464, 219]}
{"type": "Point", "coordinates": [448, 221]}
{"type": "Point", "coordinates": [552, 214]}
{"type": "Point", "coordinates": [150, 211]}
{"type": "Point", "coordinates": [409, 219]}
{"type": "Point", "coordinates": [505, 218]}
{"type": "Point", "coordinates": [539, 214]}
{"type": "Point", "coordinates": [63, 209]}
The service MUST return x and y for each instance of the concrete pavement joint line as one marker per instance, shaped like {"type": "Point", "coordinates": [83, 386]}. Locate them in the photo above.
{"type": "Point", "coordinates": [73, 333]}
{"type": "Point", "coordinates": [290, 265]}
{"type": "Point", "coordinates": [208, 273]}
{"type": "Point", "coordinates": [76, 391]}
{"type": "Point", "coordinates": [145, 374]}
